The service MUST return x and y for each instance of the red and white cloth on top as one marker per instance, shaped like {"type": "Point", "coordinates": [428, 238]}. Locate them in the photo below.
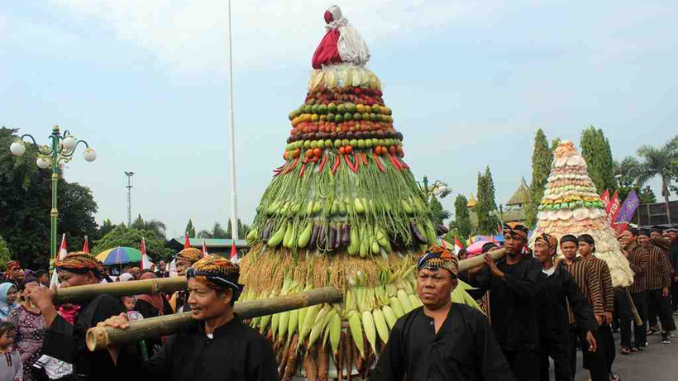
{"type": "Point", "coordinates": [342, 42]}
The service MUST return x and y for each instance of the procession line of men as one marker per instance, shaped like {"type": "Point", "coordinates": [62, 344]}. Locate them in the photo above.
{"type": "Point", "coordinates": [539, 307]}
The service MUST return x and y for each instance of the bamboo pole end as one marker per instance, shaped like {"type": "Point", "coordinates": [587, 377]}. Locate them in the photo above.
{"type": "Point", "coordinates": [96, 338]}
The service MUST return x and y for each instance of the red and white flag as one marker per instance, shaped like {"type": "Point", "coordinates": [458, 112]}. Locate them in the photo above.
{"type": "Point", "coordinates": [605, 197]}
{"type": "Point", "coordinates": [204, 249]}
{"type": "Point", "coordinates": [234, 253]}
{"type": "Point", "coordinates": [145, 262]}
{"type": "Point", "coordinates": [187, 242]}
{"type": "Point", "coordinates": [85, 246]}
{"type": "Point", "coordinates": [457, 245]}
{"type": "Point", "coordinates": [63, 251]}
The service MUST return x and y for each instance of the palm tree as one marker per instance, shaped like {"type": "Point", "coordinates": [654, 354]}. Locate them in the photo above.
{"type": "Point", "coordinates": [658, 162]}
{"type": "Point", "coordinates": [156, 226]}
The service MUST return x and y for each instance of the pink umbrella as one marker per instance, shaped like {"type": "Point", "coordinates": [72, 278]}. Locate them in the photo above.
{"type": "Point", "coordinates": [475, 248]}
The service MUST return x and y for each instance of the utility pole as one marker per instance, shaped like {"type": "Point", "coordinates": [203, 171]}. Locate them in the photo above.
{"type": "Point", "coordinates": [129, 197]}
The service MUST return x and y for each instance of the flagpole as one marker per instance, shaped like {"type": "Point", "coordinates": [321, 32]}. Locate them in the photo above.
{"type": "Point", "coordinates": [234, 204]}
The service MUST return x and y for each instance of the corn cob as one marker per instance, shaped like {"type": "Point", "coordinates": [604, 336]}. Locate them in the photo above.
{"type": "Point", "coordinates": [390, 316]}
{"type": "Point", "coordinates": [380, 324]}
{"type": "Point", "coordinates": [357, 332]}
{"type": "Point", "coordinates": [370, 330]}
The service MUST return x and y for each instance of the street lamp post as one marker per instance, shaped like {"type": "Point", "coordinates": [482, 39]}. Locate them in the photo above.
{"type": "Point", "coordinates": [61, 151]}
{"type": "Point", "coordinates": [436, 189]}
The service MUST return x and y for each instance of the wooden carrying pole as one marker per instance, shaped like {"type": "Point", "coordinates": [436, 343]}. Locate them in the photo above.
{"type": "Point", "coordinates": [118, 289]}
{"type": "Point", "coordinates": [99, 338]}
{"type": "Point", "coordinates": [478, 260]}
{"type": "Point", "coordinates": [632, 306]}
{"type": "Point", "coordinates": [178, 283]}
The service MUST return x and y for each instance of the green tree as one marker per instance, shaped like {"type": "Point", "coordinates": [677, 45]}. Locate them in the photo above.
{"type": "Point", "coordinates": [76, 214]}
{"type": "Point", "coordinates": [462, 219]}
{"type": "Point", "coordinates": [121, 236]}
{"type": "Point", "coordinates": [105, 228]}
{"type": "Point", "coordinates": [438, 210]}
{"type": "Point", "coordinates": [542, 156]}
{"type": "Point", "coordinates": [190, 229]}
{"type": "Point", "coordinates": [647, 196]}
{"type": "Point", "coordinates": [25, 205]}
{"type": "Point", "coordinates": [243, 229]}
{"type": "Point", "coordinates": [157, 227]}
{"type": "Point", "coordinates": [216, 232]}
{"type": "Point", "coordinates": [488, 222]}
{"type": "Point", "coordinates": [658, 162]}
{"type": "Point", "coordinates": [595, 149]}
{"type": "Point", "coordinates": [5, 253]}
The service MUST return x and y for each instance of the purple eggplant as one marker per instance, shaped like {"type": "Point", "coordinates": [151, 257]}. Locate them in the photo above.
{"type": "Point", "coordinates": [313, 243]}
{"type": "Point", "coordinates": [338, 237]}
{"type": "Point", "coordinates": [417, 233]}
{"type": "Point", "coordinates": [345, 235]}
{"type": "Point", "coordinates": [332, 238]}
{"type": "Point", "coordinates": [322, 237]}
{"type": "Point", "coordinates": [267, 230]}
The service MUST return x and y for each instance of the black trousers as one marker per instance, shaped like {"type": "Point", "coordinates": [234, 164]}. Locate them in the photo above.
{"type": "Point", "coordinates": [593, 361]}
{"type": "Point", "coordinates": [622, 311]}
{"type": "Point", "coordinates": [524, 364]}
{"type": "Point", "coordinates": [661, 306]}
{"type": "Point", "coordinates": [610, 352]}
{"type": "Point", "coordinates": [556, 346]}
{"type": "Point", "coordinates": [639, 331]}
{"type": "Point", "coordinates": [674, 296]}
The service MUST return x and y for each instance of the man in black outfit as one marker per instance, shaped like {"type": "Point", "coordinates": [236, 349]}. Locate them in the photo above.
{"type": "Point", "coordinates": [512, 282]}
{"type": "Point", "coordinates": [556, 289]}
{"type": "Point", "coordinates": [441, 340]}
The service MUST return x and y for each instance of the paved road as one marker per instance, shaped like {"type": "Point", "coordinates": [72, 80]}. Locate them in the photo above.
{"type": "Point", "coordinates": [657, 363]}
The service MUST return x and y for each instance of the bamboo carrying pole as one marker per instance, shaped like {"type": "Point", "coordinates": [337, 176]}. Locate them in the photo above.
{"type": "Point", "coordinates": [172, 284]}
{"type": "Point", "coordinates": [478, 260]}
{"type": "Point", "coordinates": [117, 289]}
{"type": "Point", "coordinates": [99, 338]}
{"type": "Point", "coordinates": [632, 305]}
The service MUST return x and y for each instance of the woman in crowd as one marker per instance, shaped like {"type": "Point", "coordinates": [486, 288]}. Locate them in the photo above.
{"type": "Point", "coordinates": [8, 296]}
{"type": "Point", "coordinates": [65, 336]}
{"type": "Point", "coordinates": [30, 329]}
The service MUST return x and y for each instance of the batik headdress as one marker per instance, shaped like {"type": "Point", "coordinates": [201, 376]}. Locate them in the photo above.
{"type": "Point", "coordinates": [437, 257]}
{"type": "Point", "coordinates": [190, 254]}
{"type": "Point", "coordinates": [515, 228]}
{"type": "Point", "coordinates": [80, 263]}
{"type": "Point", "coordinates": [218, 273]}
{"type": "Point", "coordinates": [548, 239]}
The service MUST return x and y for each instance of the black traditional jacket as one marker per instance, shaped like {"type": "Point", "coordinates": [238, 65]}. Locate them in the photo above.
{"type": "Point", "coordinates": [513, 303]}
{"type": "Point", "coordinates": [464, 349]}
{"type": "Point", "coordinates": [235, 352]}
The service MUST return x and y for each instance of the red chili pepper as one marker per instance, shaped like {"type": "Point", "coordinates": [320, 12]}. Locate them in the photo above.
{"type": "Point", "coordinates": [348, 162]}
{"type": "Point", "coordinates": [291, 167]}
{"type": "Point", "coordinates": [395, 163]}
{"type": "Point", "coordinates": [381, 166]}
{"type": "Point", "coordinates": [357, 160]}
{"type": "Point", "coordinates": [364, 156]}
{"type": "Point", "coordinates": [280, 168]}
{"type": "Point", "coordinates": [402, 164]}
{"type": "Point", "coordinates": [303, 167]}
{"type": "Point", "coordinates": [337, 162]}
{"type": "Point", "coordinates": [322, 164]}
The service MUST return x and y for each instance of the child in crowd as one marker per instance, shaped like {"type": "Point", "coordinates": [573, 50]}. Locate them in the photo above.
{"type": "Point", "coordinates": [129, 302]}
{"type": "Point", "coordinates": [10, 363]}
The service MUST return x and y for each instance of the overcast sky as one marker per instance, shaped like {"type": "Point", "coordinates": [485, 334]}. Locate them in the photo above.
{"type": "Point", "coordinates": [469, 82]}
